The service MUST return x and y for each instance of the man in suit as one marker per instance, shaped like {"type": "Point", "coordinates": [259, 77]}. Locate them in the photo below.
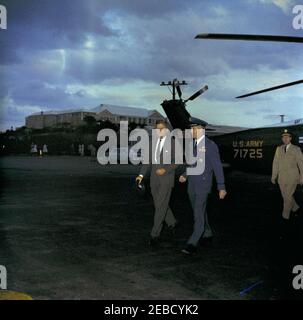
{"type": "Point", "coordinates": [162, 178]}
{"type": "Point", "coordinates": [287, 169]}
{"type": "Point", "coordinates": [199, 186]}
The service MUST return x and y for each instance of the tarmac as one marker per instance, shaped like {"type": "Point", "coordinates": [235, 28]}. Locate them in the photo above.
{"type": "Point", "coordinates": [73, 229]}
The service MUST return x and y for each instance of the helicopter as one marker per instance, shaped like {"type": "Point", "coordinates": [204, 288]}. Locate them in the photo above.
{"type": "Point", "coordinates": [250, 150]}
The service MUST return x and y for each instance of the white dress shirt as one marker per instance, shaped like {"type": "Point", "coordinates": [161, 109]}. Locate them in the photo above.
{"type": "Point", "coordinates": [161, 147]}
{"type": "Point", "coordinates": [200, 139]}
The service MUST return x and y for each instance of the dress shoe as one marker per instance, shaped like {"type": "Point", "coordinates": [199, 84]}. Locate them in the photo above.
{"type": "Point", "coordinates": [190, 249]}
{"type": "Point", "coordinates": [297, 213]}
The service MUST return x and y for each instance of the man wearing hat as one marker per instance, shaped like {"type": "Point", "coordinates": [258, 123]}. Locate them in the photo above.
{"type": "Point", "coordinates": [199, 186]}
{"type": "Point", "coordinates": [162, 179]}
{"type": "Point", "coordinates": [287, 169]}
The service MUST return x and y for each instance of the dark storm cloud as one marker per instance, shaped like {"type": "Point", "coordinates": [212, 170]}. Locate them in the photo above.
{"type": "Point", "coordinates": [37, 24]}
{"type": "Point", "coordinates": [52, 45]}
{"type": "Point", "coordinates": [57, 24]}
{"type": "Point", "coordinates": [146, 9]}
{"type": "Point", "coordinates": [65, 18]}
{"type": "Point", "coordinates": [164, 48]}
{"type": "Point", "coordinates": [63, 24]}
{"type": "Point", "coordinates": [37, 93]}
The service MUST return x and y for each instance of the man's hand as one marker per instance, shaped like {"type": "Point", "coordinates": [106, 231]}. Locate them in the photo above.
{"type": "Point", "coordinates": [160, 172]}
{"type": "Point", "coordinates": [182, 179]}
{"type": "Point", "coordinates": [273, 180]}
{"type": "Point", "coordinates": [222, 194]}
{"type": "Point", "coordinates": [139, 179]}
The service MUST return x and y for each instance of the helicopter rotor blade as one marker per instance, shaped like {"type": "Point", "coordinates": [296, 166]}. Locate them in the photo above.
{"type": "Point", "coordinates": [248, 37]}
{"type": "Point", "coordinates": [271, 89]}
{"type": "Point", "coordinates": [177, 86]}
{"type": "Point", "coordinates": [179, 91]}
{"type": "Point", "coordinates": [197, 94]}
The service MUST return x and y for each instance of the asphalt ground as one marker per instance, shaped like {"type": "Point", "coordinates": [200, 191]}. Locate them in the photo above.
{"type": "Point", "coordinates": [73, 229]}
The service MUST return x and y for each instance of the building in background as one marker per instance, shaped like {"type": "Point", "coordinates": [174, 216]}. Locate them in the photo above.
{"type": "Point", "coordinates": [114, 114]}
{"type": "Point", "coordinates": [41, 120]}
{"type": "Point", "coordinates": [140, 116]}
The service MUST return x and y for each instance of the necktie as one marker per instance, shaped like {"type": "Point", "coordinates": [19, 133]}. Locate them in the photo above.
{"type": "Point", "coordinates": [195, 147]}
{"type": "Point", "coordinates": [158, 151]}
{"type": "Point", "coordinates": [285, 149]}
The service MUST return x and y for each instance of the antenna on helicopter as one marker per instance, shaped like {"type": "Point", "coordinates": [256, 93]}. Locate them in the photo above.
{"type": "Point", "coordinates": [176, 86]}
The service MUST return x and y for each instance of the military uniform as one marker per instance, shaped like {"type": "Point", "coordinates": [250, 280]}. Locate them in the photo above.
{"type": "Point", "coordinates": [288, 169]}
{"type": "Point", "coordinates": [199, 187]}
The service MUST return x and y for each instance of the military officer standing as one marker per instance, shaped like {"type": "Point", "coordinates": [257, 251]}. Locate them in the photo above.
{"type": "Point", "coordinates": [287, 169]}
{"type": "Point", "coordinates": [199, 186]}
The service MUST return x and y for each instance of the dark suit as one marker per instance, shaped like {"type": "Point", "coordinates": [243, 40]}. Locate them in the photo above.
{"type": "Point", "coordinates": [199, 187]}
{"type": "Point", "coordinates": [161, 186]}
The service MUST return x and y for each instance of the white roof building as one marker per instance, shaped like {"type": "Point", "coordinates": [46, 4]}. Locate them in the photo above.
{"type": "Point", "coordinates": [75, 117]}
{"type": "Point", "coordinates": [116, 114]}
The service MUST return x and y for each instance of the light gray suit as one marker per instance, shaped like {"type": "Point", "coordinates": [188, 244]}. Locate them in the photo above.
{"type": "Point", "coordinates": [161, 187]}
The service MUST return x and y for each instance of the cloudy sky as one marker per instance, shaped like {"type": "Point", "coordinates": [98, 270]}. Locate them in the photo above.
{"type": "Point", "coordinates": [62, 54]}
